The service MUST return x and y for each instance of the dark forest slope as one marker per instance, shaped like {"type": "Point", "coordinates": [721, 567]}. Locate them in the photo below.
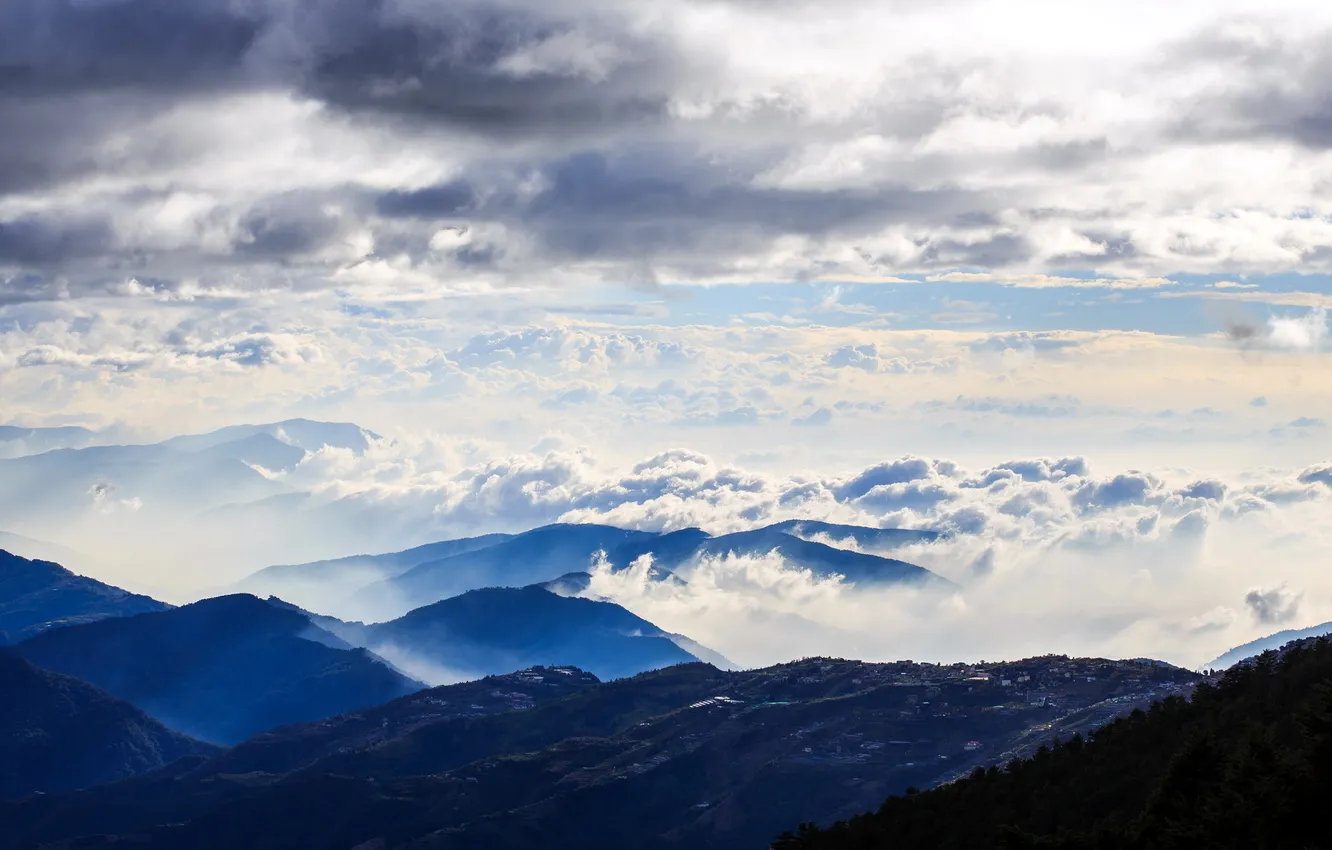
{"type": "Point", "coordinates": [58, 733]}
{"type": "Point", "coordinates": [1246, 763]}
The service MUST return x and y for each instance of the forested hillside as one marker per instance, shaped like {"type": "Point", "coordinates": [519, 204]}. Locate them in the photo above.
{"type": "Point", "coordinates": [1246, 763]}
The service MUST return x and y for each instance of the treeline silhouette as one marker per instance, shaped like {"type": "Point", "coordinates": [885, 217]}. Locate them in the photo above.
{"type": "Point", "coordinates": [1247, 762]}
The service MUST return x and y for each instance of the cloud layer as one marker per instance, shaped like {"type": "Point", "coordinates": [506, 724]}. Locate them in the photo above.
{"type": "Point", "coordinates": [247, 146]}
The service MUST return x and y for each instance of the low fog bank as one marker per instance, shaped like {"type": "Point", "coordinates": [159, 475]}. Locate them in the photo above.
{"type": "Point", "coordinates": [1182, 596]}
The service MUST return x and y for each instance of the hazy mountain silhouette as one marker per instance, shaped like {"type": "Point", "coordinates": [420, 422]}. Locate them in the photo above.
{"type": "Point", "coordinates": [39, 595]}
{"type": "Point", "coordinates": [821, 559]}
{"type": "Point", "coordinates": [493, 630]}
{"type": "Point", "coordinates": [297, 580]}
{"type": "Point", "coordinates": [16, 441]}
{"type": "Point", "coordinates": [58, 733]}
{"type": "Point", "coordinates": [1263, 644]}
{"type": "Point", "coordinates": [863, 537]}
{"type": "Point", "coordinates": [556, 554]}
{"type": "Point", "coordinates": [41, 550]}
{"type": "Point", "coordinates": [221, 669]}
{"type": "Point", "coordinates": [534, 556]}
{"type": "Point", "coordinates": [194, 472]}
{"type": "Point", "coordinates": [305, 434]}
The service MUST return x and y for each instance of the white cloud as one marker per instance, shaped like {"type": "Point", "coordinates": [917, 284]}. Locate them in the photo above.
{"type": "Point", "coordinates": [1305, 333]}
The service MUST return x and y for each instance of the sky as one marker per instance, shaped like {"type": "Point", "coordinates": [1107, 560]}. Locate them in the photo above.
{"type": "Point", "coordinates": [792, 241]}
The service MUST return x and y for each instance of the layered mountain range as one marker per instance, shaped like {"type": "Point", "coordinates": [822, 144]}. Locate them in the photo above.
{"type": "Point", "coordinates": [562, 555]}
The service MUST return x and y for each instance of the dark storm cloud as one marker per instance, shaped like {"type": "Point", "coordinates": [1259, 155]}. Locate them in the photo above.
{"type": "Point", "coordinates": [1277, 87]}
{"type": "Point", "coordinates": [465, 63]}
{"type": "Point", "coordinates": [570, 131]}
{"type": "Point", "coordinates": [26, 287]}
{"type": "Point", "coordinates": [996, 252]}
{"type": "Point", "coordinates": [41, 240]}
{"type": "Point", "coordinates": [287, 226]}
{"type": "Point", "coordinates": [60, 46]}
{"type": "Point", "coordinates": [1272, 605]}
{"type": "Point", "coordinates": [73, 73]}
{"type": "Point", "coordinates": [598, 205]}
{"type": "Point", "coordinates": [452, 68]}
{"type": "Point", "coordinates": [49, 140]}
{"type": "Point", "coordinates": [441, 201]}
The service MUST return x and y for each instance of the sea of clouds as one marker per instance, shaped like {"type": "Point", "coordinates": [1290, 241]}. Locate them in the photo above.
{"type": "Point", "coordinates": [1049, 554]}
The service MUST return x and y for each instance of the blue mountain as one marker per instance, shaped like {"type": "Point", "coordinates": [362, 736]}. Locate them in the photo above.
{"type": "Point", "coordinates": [534, 556]}
{"type": "Point", "coordinates": [221, 669]}
{"type": "Point", "coordinates": [557, 554]}
{"type": "Point", "coordinates": [358, 570]}
{"type": "Point", "coordinates": [496, 630]}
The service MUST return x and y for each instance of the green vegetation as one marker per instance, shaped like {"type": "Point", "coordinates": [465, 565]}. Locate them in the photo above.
{"type": "Point", "coordinates": [1247, 762]}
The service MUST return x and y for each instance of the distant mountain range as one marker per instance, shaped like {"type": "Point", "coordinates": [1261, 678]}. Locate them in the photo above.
{"type": "Point", "coordinates": [36, 596]}
{"type": "Point", "coordinates": [39, 550]}
{"type": "Point", "coordinates": [58, 734]}
{"type": "Point", "coordinates": [184, 473]}
{"type": "Point", "coordinates": [16, 441]}
{"type": "Point", "coordinates": [302, 580]}
{"type": "Point", "coordinates": [1261, 645]}
{"type": "Point", "coordinates": [191, 667]}
{"type": "Point", "coordinates": [221, 669]}
{"type": "Point", "coordinates": [559, 556]}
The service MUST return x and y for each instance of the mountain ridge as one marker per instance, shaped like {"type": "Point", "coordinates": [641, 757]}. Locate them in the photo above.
{"type": "Point", "coordinates": [556, 554]}
{"type": "Point", "coordinates": [36, 596]}
{"type": "Point", "coordinates": [1276, 640]}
